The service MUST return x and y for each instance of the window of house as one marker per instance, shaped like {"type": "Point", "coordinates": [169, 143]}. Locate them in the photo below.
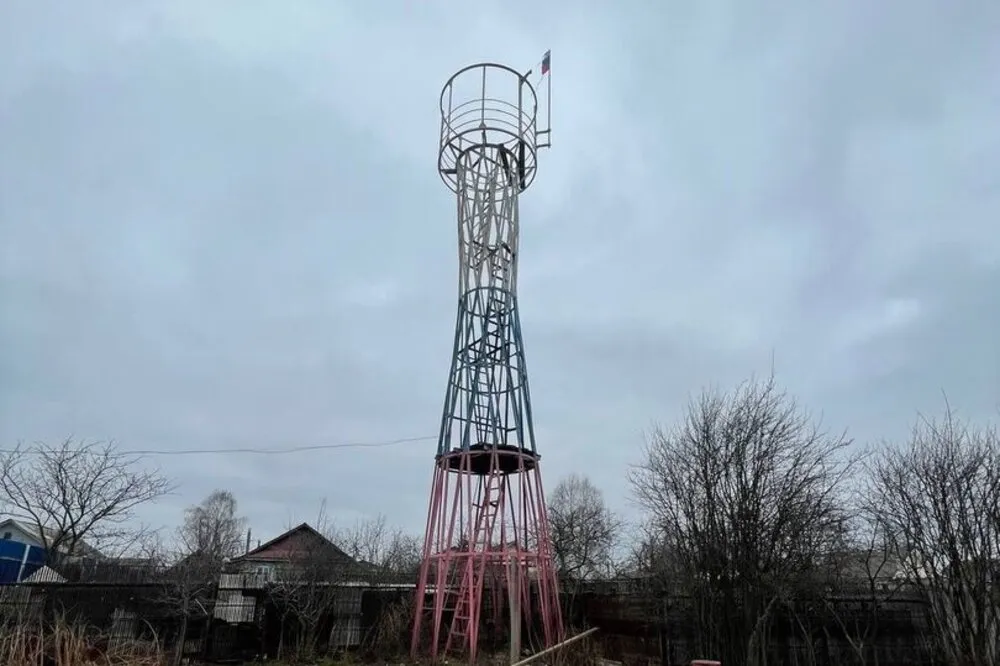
{"type": "Point", "coordinates": [7, 535]}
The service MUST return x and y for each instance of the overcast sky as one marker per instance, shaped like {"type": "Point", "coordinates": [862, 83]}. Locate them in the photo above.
{"type": "Point", "coordinates": [221, 226]}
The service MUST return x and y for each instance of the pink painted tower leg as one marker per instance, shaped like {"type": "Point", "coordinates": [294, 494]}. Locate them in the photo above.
{"type": "Point", "coordinates": [487, 518]}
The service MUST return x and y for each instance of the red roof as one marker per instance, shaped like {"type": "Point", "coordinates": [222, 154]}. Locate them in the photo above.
{"type": "Point", "coordinates": [295, 541]}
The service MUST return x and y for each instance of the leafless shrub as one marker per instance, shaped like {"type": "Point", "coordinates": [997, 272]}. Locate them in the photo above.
{"type": "Point", "coordinates": [390, 637]}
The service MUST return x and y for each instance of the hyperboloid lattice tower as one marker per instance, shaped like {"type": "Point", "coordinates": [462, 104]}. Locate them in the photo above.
{"type": "Point", "coordinates": [487, 563]}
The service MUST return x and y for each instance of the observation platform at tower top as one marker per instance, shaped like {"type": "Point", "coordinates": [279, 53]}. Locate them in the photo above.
{"type": "Point", "coordinates": [478, 459]}
{"type": "Point", "coordinates": [489, 111]}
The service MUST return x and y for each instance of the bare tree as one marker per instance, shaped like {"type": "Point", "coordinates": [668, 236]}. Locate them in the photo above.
{"type": "Point", "coordinates": [939, 498]}
{"type": "Point", "coordinates": [584, 530]}
{"type": "Point", "coordinates": [657, 574]}
{"type": "Point", "coordinates": [308, 588]}
{"type": "Point", "coordinates": [314, 587]}
{"type": "Point", "coordinates": [213, 528]}
{"type": "Point", "coordinates": [373, 541]}
{"type": "Point", "coordinates": [861, 581]}
{"type": "Point", "coordinates": [212, 531]}
{"type": "Point", "coordinates": [654, 558]}
{"type": "Point", "coordinates": [77, 492]}
{"type": "Point", "coordinates": [747, 495]}
{"type": "Point", "coordinates": [187, 585]}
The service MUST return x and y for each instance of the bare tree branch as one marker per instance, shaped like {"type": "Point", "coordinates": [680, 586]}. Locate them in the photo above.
{"type": "Point", "coordinates": [861, 583]}
{"type": "Point", "coordinates": [321, 575]}
{"type": "Point", "coordinates": [188, 585]}
{"type": "Point", "coordinates": [584, 531]}
{"type": "Point", "coordinates": [939, 500]}
{"type": "Point", "coordinates": [747, 496]}
{"type": "Point", "coordinates": [309, 586]}
{"type": "Point", "coordinates": [213, 528]}
{"type": "Point", "coordinates": [374, 542]}
{"type": "Point", "coordinates": [77, 492]}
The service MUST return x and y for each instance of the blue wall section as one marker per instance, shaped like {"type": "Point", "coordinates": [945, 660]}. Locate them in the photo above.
{"type": "Point", "coordinates": [11, 556]}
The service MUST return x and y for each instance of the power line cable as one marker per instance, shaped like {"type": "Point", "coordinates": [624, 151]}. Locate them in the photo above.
{"type": "Point", "coordinates": [265, 452]}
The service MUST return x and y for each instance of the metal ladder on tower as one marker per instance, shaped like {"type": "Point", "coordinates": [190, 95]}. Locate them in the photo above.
{"type": "Point", "coordinates": [461, 610]}
{"type": "Point", "coordinates": [488, 404]}
{"type": "Point", "coordinates": [468, 602]}
{"type": "Point", "coordinates": [488, 509]}
{"type": "Point", "coordinates": [482, 407]}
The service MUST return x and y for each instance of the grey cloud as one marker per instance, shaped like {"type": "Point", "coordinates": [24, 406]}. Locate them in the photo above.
{"type": "Point", "coordinates": [222, 228]}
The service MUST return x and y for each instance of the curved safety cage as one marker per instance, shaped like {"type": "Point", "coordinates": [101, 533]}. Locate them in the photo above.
{"type": "Point", "coordinates": [488, 105]}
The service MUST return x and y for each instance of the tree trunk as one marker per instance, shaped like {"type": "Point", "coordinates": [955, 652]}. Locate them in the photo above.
{"type": "Point", "coordinates": [181, 638]}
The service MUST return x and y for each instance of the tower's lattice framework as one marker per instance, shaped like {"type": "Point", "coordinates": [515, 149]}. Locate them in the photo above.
{"type": "Point", "coordinates": [487, 555]}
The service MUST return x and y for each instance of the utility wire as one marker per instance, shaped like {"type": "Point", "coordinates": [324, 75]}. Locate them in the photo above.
{"type": "Point", "coordinates": [264, 452]}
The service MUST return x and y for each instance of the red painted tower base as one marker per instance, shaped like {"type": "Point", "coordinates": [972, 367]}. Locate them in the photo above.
{"type": "Point", "coordinates": [487, 551]}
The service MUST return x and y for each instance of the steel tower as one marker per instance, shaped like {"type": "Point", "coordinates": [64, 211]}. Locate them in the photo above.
{"type": "Point", "coordinates": [487, 559]}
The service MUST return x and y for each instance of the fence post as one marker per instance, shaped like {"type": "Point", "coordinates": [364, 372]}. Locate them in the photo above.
{"type": "Point", "coordinates": [24, 563]}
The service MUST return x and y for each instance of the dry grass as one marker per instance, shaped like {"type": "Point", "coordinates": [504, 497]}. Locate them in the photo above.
{"type": "Point", "coordinates": [29, 643]}
{"type": "Point", "coordinates": [391, 637]}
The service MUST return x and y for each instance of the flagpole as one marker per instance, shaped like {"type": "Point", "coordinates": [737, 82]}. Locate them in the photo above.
{"type": "Point", "coordinates": [548, 101]}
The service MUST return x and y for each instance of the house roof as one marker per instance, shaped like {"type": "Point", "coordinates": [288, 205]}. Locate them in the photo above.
{"type": "Point", "coordinates": [45, 575]}
{"type": "Point", "coordinates": [50, 534]}
{"type": "Point", "coordinates": [285, 545]}
{"type": "Point", "coordinates": [296, 540]}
